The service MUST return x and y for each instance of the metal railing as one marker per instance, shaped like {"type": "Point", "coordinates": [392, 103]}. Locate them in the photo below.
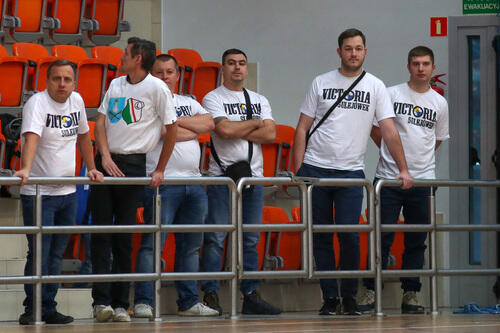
{"type": "Point", "coordinates": [237, 228]}
{"type": "Point", "coordinates": [37, 279]}
{"type": "Point", "coordinates": [433, 272]}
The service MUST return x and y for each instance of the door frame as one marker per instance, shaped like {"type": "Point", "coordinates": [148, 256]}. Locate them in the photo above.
{"type": "Point", "coordinates": [486, 27]}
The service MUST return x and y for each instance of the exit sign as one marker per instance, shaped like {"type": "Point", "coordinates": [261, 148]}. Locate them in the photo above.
{"type": "Point", "coordinates": [480, 7]}
{"type": "Point", "coordinates": [439, 26]}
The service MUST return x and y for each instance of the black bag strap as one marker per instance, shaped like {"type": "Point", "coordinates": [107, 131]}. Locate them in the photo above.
{"type": "Point", "coordinates": [337, 102]}
{"type": "Point", "coordinates": [248, 107]}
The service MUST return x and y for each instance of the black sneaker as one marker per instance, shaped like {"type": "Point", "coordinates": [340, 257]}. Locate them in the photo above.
{"type": "Point", "coordinates": [410, 303]}
{"type": "Point", "coordinates": [331, 306]}
{"type": "Point", "coordinates": [56, 318]}
{"type": "Point", "coordinates": [212, 301]}
{"type": "Point", "coordinates": [26, 318]}
{"type": "Point", "coordinates": [253, 304]}
{"type": "Point", "coordinates": [350, 307]}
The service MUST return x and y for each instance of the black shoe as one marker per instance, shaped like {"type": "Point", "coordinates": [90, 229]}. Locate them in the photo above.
{"type": "Point", "coordinates": [56, 318]}
{"type": "Point", "coordinates": [253, 304]}
{"type": "Point", "coordinates": [350, 307]}
{"type": "Point", "coordinates": [410, 303]}
{"type": "Point", "coordinates": [212, 301]}
{"type": "Point", "coordinates": [26, 318]}
{"type": "Point", "coordinates": [331, 306]}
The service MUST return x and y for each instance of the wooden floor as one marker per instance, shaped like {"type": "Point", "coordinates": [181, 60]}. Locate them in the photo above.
{"type": "Point", "coordinates": [303, 322]}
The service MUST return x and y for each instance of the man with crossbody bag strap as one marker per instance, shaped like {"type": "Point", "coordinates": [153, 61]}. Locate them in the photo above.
{"type": "Point", "coordinates": [241, 126]}
{"type": "Point", "coordinates": [336, 149]}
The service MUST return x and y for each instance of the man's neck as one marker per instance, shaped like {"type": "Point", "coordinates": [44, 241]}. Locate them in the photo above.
{"type": "Point", "coordinates": [419, 87]}
{"type": "Point", "coordinates": [136, 76]}
{"type": "Point", "coordinates": [346, 72]}
{"type": "Point", "coordinates": [234, 86]}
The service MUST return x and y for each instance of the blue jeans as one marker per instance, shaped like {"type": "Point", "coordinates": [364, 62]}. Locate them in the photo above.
{"type": "Point", "coordinates": [57, 210]}
{"type": "Point", "coordinates": [415, 211]}
{"type": "Point", "coordinates": [218, 213]}
{"type": "Point", "coordinates": [348, 201]}
{"type": "Point", "coordinates": [180, 204]}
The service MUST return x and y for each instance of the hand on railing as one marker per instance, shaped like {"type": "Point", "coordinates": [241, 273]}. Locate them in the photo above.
{"type": "Point", "coordinates": [95, 175]}
{"type": "Point", "coordinates": [406, 178]}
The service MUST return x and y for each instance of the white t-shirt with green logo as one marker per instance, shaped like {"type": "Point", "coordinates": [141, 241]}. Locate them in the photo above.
{"type": "Point", "coordinates": [421, 119]}
{"type": "Point", "coordinates": [58, 125]}
{"type": "Point", "coordinates": [135, 114]}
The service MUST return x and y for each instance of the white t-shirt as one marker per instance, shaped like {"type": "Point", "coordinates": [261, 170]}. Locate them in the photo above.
{"type": "Point", "coordinates": [230, 104]}
{"type": "Point", "coordinates": [185, 158]}
{"type": "Point", "coordinates": [421, 119]}
{"type": "Point", "coordinates": [58, 125]}
{"type": "Point", "coordinates": [135, 114]}
{"type": "Point", "coordinates": [340, 142]}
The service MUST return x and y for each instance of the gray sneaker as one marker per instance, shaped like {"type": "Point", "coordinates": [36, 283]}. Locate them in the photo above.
{"type": "Point", "coordinates": [199, 310]}
{"type": "Point", "coordinates": [103, 313]}
{"type": "Point", "coordinates": [143, 311]}
{"type": "Point", "coordinates": [410, 303]}
{"type": "Point", "coordinates": [367, 301]}
{"type": "Point", "coordinates": [121, 315]}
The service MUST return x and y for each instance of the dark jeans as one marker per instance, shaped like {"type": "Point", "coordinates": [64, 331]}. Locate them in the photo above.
{"type": "Point", "coordinates": [415, 211]}
{"type": "Point", "coordinates": [348, 201]}
{"type": "Point", "coordinates": [115, 205]}
{"type": "Point", "coordinates": [57, 210]}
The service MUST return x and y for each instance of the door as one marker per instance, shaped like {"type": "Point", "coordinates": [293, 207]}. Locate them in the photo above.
{"type": "Point", "coordinates": [473, 102]}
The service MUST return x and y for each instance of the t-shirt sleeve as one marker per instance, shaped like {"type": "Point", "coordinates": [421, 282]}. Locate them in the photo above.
{"type": "Point", "coordinates": [266, 112]}
{"type": "Point", "coordinates": [83, 125]}
{"type": "Point", "coordinates": [165, 105]}
{"type": "Point", "coordinates": [33, 117]}
{"type": "Point", "coordinates": [383, 105]}
{"type": "Point", "coordinates": [213, 106]}
{"type": "Point", "coordinates": [442, 131]}
{"type": "Point", "coordinates": [197, 108]}
{"type": "Point", "coordinates": [310, 104]}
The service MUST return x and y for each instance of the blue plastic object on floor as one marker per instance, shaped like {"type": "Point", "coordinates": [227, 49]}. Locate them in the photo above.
{"type": "Point", "coordinates": [473, 308]}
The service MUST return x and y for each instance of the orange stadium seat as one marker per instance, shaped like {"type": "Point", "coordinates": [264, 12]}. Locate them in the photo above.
{"type": "Point", "coordinates": [91, 73]}
{"type": "Point", "coordinates": [107, 16]}
{"type": "Point", "coordinates": [13, 78]}
{"type": "Point", "coordinates": [285, 135]}
{"type": "Point", "coordinates": [25, 23]}
{"type": "Point", "coordinates": [39, 62]}
{"type": "Point", "coordinates": [64, 19]}
{"type": "Point", "coordinates": [278, 250]}
{"type": "Point", "coordinates": [204, 140]}
{"type": "Point", "coordinates": [112, 55]}
{"type": "Point", "coordinates": [198, 76]}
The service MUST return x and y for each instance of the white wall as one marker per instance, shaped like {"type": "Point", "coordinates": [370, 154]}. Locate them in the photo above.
{"type": "Point", "coordinates": [295, 40]}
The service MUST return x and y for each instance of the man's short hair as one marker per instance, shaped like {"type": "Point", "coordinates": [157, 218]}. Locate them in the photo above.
{"type": "Point", "coordinates": [232, 51]}
{"type": "Point", "coordinates": [349, 33]}
{"type": "Point", "coordinates": [146, 49]}
{"type": "Point", "coordinates": [167, 57]}
{"type": "Point", "coordinates": [420, 51]}
{"type": "Point", "coordinates": [60, 63]}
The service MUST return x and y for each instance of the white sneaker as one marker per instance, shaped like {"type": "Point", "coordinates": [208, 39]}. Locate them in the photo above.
{"type": "Point", "coordinates": [199, 309]}
{"type": "Point", "coordinates": [143, 311]}
{"type": "Point", "coordinates": [121, 315]}
{"type": "Point", "coordinates": [103, 313]}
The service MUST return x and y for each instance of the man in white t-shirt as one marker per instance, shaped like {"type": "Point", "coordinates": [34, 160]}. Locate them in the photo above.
{"type": "Point", "coordinates": [337, 150]}
{"type": "Point", "coordinates": [132, 115]}
{"type": "Point", "coordinates": [54, 123]}
{"type": "Point", "coordinates": [422, 122]}
{"type": "Point", "coordinates": [180, 204]}
{"type": "Point", "coordinates": [236, 138]}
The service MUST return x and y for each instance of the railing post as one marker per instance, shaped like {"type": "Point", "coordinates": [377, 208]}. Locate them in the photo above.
{"type": "Point", "coordinates": [236, 242]}
{"type": "Point", "coordinates": [157, 256]}
{"type": "Point", "coordinates": [305, 233]}
{"type": "Point", "coordinates": [378, 251]}
{"type": "Point", "coordinates": [306, 212]}
{"type": "Point", "coordinates": [433, 250]}
{"type": "Point", "coordinates": [37, 290]}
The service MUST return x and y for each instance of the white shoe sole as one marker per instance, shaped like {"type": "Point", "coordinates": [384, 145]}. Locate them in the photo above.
{"type": "Point", "coordinates": [190, 314]}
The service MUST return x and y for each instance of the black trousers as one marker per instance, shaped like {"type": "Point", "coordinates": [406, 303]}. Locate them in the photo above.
{"type": "Point", "coordinates": [115, 205]}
